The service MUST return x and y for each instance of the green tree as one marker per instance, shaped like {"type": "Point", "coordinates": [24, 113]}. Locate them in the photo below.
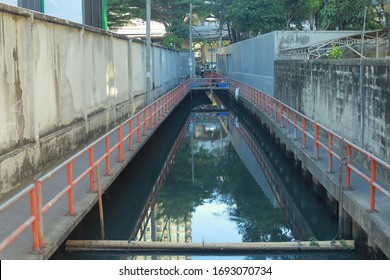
{"type": "Point", "coordinates": [348, 14]}
{"type": "Point", "coordinates": [293, 11]}
{"type": "Point", "coordinates": [174, 14]}
{"type": "Point", "coordinates": [384, 8]}
{"type": "Point", "coordinates": [312, 9]}
{"type": "Point", "coordinates": [121, 11]}
{"type": "Point", "coordinates": [251, 17]}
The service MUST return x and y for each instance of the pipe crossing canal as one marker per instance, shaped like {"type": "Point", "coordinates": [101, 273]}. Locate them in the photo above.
{"type": "Point", "coordinates": [210, 177]}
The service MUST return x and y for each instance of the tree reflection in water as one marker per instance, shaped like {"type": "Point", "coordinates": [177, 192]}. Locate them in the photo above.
{"type": "Point", "coordinates": [221, 177]}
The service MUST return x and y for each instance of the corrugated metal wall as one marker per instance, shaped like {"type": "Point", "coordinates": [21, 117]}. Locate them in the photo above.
{"type": "Point", "coordinates": [252, 61]}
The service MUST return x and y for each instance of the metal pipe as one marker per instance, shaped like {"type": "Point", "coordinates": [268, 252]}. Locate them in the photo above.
{"type": "Point", "coordinates": [91, 175]}
{"type": "Point", "coordinates": [142, 246]}
{"type": "Point", "coordinates": [362, 101]}
{"type": "Point", "coordinates": [101, 215]}
{"type": "Point", "coordinates": [372, 187]}
{"type": "Point", "coordinates": [148, 51]}
{"type": "Point", "coordinates": [190, 61]}
{"type": "Point", "coordinates": [341, 201]}
{"type": "Point", "coordinates": [70, 192]}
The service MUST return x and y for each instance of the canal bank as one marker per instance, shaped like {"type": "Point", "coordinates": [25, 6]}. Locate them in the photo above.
{"type": "Point", "coordinates": [356, 222]}
{"type": "Point", "coordinates": [230, 194]}
{"type": "Point", "coordinates": [66, 194]}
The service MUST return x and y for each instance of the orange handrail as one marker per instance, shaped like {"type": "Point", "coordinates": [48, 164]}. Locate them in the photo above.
{"type": "Point", "coordinates": [273, 107]}
{"type": "Point", "coordinates": [32, 219]}
{"type": "Point", "coordinates": [162, 105]}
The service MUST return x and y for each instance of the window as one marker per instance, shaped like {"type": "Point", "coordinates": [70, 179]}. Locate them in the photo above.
{"type": "Point", "coordinates": [34, 5]}
{"type": "Point", "coordinates": [93, 13]}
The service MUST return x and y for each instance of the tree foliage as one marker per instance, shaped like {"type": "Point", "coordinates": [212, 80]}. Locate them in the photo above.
{"type": "Point", "coordinates": [248, 18]}
{"type": "Point", "coordinates": [174, 14]}
{"type": "Point", "coordinates": [121, 11]}
{"type": "Point", "coordinates": [311, 10]}
{"type": "Point", "coordinates": [347, 14]}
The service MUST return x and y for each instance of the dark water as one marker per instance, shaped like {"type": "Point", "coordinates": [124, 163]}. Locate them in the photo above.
{"type": "Point", "coordinates": [228, 183]}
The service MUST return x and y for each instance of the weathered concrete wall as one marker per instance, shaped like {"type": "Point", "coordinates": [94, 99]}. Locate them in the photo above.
{"type": "Point", "coordinates": [62, 84]}
{"type": "Point", "coordinates": [329, 92]}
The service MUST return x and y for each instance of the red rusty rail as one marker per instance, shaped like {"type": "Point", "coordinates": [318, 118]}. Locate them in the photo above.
{"type": "Point", "coordinates": [145, 119]}
{"type": "Point", "coordinates": [288, 117]}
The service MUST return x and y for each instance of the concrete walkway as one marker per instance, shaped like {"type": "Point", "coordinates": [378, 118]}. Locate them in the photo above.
{"type": "Point", "coordinates": [356, 199]}
{"type": "Point", "coordinates": [57, 224]}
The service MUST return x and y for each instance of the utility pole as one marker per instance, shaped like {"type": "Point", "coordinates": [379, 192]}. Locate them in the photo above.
{"type": "Point", "coordinates": [190, 62]}
{"type": "Point", "coordinates": [220, 29]}
{"type": "Point", "coordinates": [148, 52]}
{"type": "Point", "coordinates": [361, 88]}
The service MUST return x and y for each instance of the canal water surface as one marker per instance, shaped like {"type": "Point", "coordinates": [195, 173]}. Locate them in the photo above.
{"type": "Point", "coordinates": [211, 175]}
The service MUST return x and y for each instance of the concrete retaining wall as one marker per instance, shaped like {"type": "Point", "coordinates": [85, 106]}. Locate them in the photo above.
{"type": "Point", "coordinates": [355, 203]}
{"type": "Point", "coordinates": [329, 92]}
{"type": "Point", "coordinates": [63, 83]}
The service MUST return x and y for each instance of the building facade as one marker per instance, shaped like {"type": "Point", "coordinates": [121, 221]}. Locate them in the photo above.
{"type": "Point", "coordinates": [88, 12]}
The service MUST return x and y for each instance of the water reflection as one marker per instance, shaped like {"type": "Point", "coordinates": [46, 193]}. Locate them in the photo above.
{"type": "Point", "coordinates": [224, 180]}
{"type": "Point", "coordinates": [210, 195]}
{"type": "Point", "coordinates": [224, 187]}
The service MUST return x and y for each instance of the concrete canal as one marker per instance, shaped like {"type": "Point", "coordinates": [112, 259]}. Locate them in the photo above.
{"type": "Point", "coordinates": [212, 176]}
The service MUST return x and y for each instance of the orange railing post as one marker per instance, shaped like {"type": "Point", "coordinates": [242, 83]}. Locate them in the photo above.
{"type": "Point", "coordinates": [304, 132]}
{"type": "Point", "coordinates": [348, 169]}
{"type": "Point", "coordinates": [91, 173]}
{"type": "Point", "coordinates": [131, 135]}
{"type": "Point", "coordinates": [372, 187]}
{"type": "Point", "coordinates": [270, 107]}
{"type": "Point", "coordinates": [155, 112]}
{"type": "Point", "coordinates": [150, 117]}
{"type": "Point", "coordinates": [108, 156]}
{"type": "Point", "coordinates": [144, 126]}
{"type": "Point", "coordinates": [138, 128]}
{"type": "Point", "coordinates": [120, 140]}
{"type": "Point", "coordinates": [295, 125]}
{"type": "Point", "coordinates": [70, 192]}
{"type": "Point", "coordinates": [288, 120]}
{"type": "Point", "coordinates": [275, 105]}
{"type": "Point", "coordinates": [281, 114]}
{"type": "Point", "coordinates": [159, 109]}
{"type": "Point", "coordinates": [34, 213]}
{"type": "Point", "coordinates": [41, 237]}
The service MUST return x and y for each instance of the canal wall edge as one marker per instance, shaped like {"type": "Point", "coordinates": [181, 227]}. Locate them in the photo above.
{"type": "Point", "coordinates": [377, 231]}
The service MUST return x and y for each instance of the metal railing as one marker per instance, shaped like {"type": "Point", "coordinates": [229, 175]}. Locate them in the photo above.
{"type": "Point", "coordinates": [294, 122]}
{"type": "Point", "coordinates": [373, 39]}
{"type": "Point", "coordinates": [213, 81]}
{"type": "Point", "coordinates": [136, 127]}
